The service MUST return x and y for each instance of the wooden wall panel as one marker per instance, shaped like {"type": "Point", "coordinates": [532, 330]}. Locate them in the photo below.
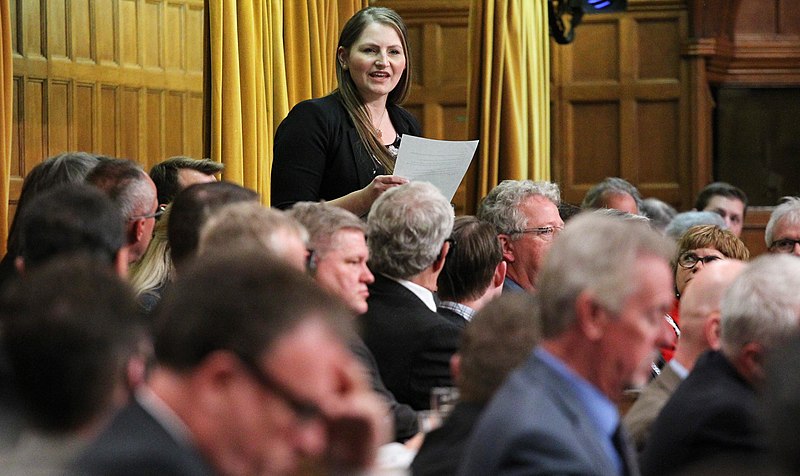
{"type": "Point", "coordinates": [618, 108]}
{"type": "Point", "coordinates": [106, 76]}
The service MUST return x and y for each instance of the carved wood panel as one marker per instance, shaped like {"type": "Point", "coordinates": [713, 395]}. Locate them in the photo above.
{"type": "Point", "coordinates": [620, 103]}
{"type": "Point", "coordinates": [116, 77]}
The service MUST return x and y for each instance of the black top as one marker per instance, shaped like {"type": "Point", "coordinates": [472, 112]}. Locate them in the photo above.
{"type": "Point", "coordinates": [319, 156]}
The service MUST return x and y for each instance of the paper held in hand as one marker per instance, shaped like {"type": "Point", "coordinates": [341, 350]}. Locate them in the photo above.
{"type": "Point", "coordinates": [440, 162]}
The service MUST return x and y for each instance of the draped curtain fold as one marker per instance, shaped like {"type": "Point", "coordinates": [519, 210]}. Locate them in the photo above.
{"type": "Point", "coordinates": [509, 91]}
{"type": "Point", "coordinates": [6, 99]}
{"type": "Point", "coordinates": [265, 56]}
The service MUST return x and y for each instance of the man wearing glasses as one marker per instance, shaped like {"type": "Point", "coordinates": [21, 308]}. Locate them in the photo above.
{"type": "Point", "coordinates": [525, 215]}
{"type": "Point", "coordinates": [783, 229]}
{"type": "Point", "coordinates": [252, 377]}
{"type": "Point", "coordinates": [135, 194]}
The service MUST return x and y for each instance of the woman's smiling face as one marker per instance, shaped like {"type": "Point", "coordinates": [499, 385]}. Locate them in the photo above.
{"type": "Point", "coordinates": [376, 61]}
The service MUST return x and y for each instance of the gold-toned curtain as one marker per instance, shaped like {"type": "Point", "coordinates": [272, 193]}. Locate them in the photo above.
{"type": "Point", "coordinates": [509, 90]}
{"type": "Point", "coordinates": [6, 106]}
{"type": "Point", "coordinates": [264, 57]}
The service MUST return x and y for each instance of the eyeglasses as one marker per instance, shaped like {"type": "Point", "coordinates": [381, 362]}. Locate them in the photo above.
{"type": "Point", "coordinates": [159, 211]}
{"type": "Point", "coordinates": [543, 231]}
{"type": "Point", "coordinates": [690, 260]}
{"type": "Point", "coordinates": [305, 410]}
{"type": "Point", "coordinates": [785, 245]}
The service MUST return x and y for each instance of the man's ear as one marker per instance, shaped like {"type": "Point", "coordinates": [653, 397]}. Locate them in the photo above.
{"type": "Point", "coordinates": [439, 263]}
{"type": "Point", "coordinates": [508, 247]}
{"type": "Point", "coordinates": [592, 317]}
{"type": "Point", "coordinates": [499, 274]}
{"type": "Point", "coordinates": [711, 330]}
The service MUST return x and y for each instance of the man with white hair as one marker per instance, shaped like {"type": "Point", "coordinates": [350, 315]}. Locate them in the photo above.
{"type": "Point", "coordinates": [409, 229]}
{"type": "Point", "coordinates": [714, 414]}
{"type": "Point", "coordinates": [783, 229]}
{"type": "Point", "coordinates": [525, 216]}
{"type": "Point", "coordinates": [604, 288]}
{"type": "Point", "coordinates": [700, 323]}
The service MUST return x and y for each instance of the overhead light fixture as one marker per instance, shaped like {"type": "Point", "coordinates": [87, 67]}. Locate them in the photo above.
{"type": "Point", "coordinates": [576, 9]}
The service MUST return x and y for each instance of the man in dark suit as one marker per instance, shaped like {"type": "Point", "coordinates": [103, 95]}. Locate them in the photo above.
{"type": "Point", "coordinates": [408, 229]}
{"type": "Point", "coordinates": [714, 413]}
{"type": "Point", "coordinates": [499, 339]}
{"type": "Point", "coordinates": [252, 376]}
{"type": "Point", "coordinates": [604, 288]}
{"type": "Point", "coordinates": [473, 273]}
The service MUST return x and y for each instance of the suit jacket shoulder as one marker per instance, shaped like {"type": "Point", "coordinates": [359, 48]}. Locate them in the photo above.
{"type": "Point", "coordinates": [453, 317]}
{"type": "Point", "coordinates": [535, 424]}
{"type": "Point", "coordinates": [136, 444]}
{"type": "Point", "coordinates": [713, 413]}
{"type": "Point", "coordinates": [640, 417]}
{"type": "Point", "coordinates": [411, 344]}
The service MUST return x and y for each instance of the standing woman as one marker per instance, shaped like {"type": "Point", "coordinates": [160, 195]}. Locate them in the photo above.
{"type": "Point", "coordinates": [342, 147]}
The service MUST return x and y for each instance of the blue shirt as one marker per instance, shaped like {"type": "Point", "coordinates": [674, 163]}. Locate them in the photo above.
{"type": "Point", "coordinates": [601, 411]}
{"type": "Point", "coordinates": [509, 285]}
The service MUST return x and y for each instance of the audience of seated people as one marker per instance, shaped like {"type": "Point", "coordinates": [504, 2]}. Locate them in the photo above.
{"type": "Point", "coordinates": [259, 369]}
{"type": "Point", "coordinates": [603, 290]}
{"type": "Point", "coordinates": [177, 173]}
{"type": "Point", "coordinates": [526, 218]}
{"type": "Point", "coordinates": [727, 201]}
{"type": "Point", "coordinates": [498, 340]}
{"type": "Point", "coordinates": [407, 233]}
{"type": "Point", "coordinates": [616, 193]}
{"type": "Point", "coordinates": [474, 271]}
{"type": "Point", "coordinates": [714, 414]}
{"type": "Point", "coordinates": [338, 263]}
{"type": "Point", "coordinates": [252, 377]}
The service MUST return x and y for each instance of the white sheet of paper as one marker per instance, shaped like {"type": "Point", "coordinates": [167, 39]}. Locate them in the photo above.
{"type": "Point", "coordinates": [440, 162]}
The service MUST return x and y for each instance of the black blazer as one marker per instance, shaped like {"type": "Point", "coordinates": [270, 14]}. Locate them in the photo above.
{"type": "Point", "coordinates": [411, 344]}
{"type": "Point", "coordinates": [443, 448]}
{"type": "Point", "coordinates": [712, 414]}
{"type": "Point", "coordinates": [136, 444]}
{"type": "Point", "coordinates": [405, 418]}
{"type": "Point", "coordinates": [318, 155]}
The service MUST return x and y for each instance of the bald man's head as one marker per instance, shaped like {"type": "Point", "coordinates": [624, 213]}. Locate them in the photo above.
{"type": "Point", "coordinates": [700, 309]}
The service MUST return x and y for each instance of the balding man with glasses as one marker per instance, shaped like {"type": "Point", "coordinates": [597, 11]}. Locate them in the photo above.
{"type": "Point", "coordinates": [783, 229]}
{"type": "Point", "coordinates": [525, 216]}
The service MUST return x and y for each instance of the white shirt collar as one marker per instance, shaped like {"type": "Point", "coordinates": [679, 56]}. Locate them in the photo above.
{"type": "Point", "coordinates": [423, 293]}
{"type": "Point", "coordinates": [164, 415]}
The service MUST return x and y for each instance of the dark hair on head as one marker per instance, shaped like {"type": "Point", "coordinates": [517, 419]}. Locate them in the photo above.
{"type": "Point", "coordinates": [351, 98]}
{"type": "Point", "coordinates": [190, 211]}
{"type": "Point", "coordinates": [165, 174]}
{"type": "Point", "coordinates": [67, 167]}
{"type": "Point", "coordinates": [568, 210]}
{"type": "Point", "coordinates": [239, 301]}
{"type": "Point", "coordinates": [471, 261]}
{"type": "Point", "coordinates": [719, 188]}
{"type": "Point", "coordinates": [69, 329]}
{"type": "Point", "coordinates": [68, 219]}
{"type": "Point", "coordinates": [597, 195]}
{"type": "Point", "coordinates": [496, 341]}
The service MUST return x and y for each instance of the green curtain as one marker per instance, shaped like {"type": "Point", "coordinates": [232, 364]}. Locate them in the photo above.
{"type": "Point", "coordinates": [509, 91]}
{"type": "Point", "coordinates": [264, 57]}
